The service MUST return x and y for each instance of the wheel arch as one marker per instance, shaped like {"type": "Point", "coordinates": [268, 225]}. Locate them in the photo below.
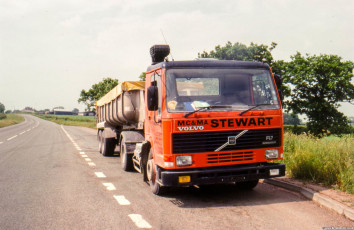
{"type": "Point", "coordinates": [132, 136]}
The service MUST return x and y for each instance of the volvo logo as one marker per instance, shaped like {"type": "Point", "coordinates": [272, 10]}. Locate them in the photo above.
{"type": "Point", "coordinates": [231, 140]}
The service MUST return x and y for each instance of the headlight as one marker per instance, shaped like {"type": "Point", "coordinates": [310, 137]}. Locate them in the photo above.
{"type": "Point", "coordinates": [271, 154]}
{"type": "Point", "coordinates": [184, 160]}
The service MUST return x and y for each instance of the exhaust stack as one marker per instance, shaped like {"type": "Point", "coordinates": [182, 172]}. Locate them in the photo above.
{"type": "Point", "coordinates": [159, 53]}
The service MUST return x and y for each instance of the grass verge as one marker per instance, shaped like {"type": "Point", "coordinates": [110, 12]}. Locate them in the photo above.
{"type": "Point", "coordinates": [84, 121]}
{"type": "Point", "coordinates": [328, 160]}
{"type": "Point", "coordinates": [11, 119]}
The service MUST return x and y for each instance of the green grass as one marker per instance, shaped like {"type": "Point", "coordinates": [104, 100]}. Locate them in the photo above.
{"type": "Point", "coordinates": [328, 160]}
{"type": "Point", "coordinates": [85, 121]}
{"type": "Point", "coordinates": [10, 119]}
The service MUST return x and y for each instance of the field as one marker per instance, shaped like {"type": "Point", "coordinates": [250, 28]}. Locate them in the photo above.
{"type": "Point", "coordinates": [328, 160]}
{"type": "Point", "coordinates": [85, 121]}
{"type": "Point", "coordinates": [11, 119]}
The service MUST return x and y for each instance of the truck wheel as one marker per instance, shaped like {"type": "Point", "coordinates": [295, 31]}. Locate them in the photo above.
{"type": "Point", "coordinates": [100, 141]}
{"type": "Point", "coordinates": [247, 185]}
{"type": "Point", "coordinates": [156, 188]}
{"type": "Point", "coordinates": [108, 146]}
{"type": "Point", "coordinates": [126, 159]}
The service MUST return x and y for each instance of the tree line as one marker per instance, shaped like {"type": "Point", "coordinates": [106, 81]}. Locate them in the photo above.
{"type": "Point", "coordinates": [2, 111]}
{"type": "Point", "coordinates": [312, 85]}
{"type": "Point", "coordinates": [2, 108]}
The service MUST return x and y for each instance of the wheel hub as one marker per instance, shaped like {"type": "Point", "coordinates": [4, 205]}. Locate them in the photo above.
{"type": "Point", "coordinates": [149, 170]}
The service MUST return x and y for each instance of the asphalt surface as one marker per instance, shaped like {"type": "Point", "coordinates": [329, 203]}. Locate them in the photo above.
{"type": "Point", "coordinates": [52, 177]}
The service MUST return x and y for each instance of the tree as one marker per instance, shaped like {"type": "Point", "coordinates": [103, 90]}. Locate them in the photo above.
{"type": "Point", "coordinates": [351, 121]}
{"type": "Point", "coordinates": [142, 76]}
{"type": "Point", "coordinates": [239, 51]}
{"type": "Point", "coordinates": [319, 83]}
{"type": "Point", "coordinates": [291, 119]}
{"type": "Point", "coordinates": [96, 92]}
{"type": "Point", "coordinates": [253, 52]}
{"type": "Point", "coordinates": [76, 110]}
{"type": "Point", "coordinates": [2, 108]}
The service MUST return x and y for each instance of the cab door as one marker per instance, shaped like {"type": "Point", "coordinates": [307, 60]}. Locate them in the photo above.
{"type": "Point", "coordinates": [153, 125]}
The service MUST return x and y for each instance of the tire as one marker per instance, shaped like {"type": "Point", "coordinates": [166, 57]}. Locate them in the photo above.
{"type": "Point", "coordinates": [108, 146]}
{"type": "Point", "coordinates": [125, 159]}
{"type": "Point", "coordinates": [247, 185]}
{"type": "Point", "coordinates": [100, 141]}
{"type": "Point", "coordinates": [155, 187]}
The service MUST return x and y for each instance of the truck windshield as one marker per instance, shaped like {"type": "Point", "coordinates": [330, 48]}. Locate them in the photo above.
{"type": "Point", "coordinates": [226, 89]}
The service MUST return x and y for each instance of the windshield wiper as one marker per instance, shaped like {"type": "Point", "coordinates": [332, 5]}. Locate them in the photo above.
{"type": "Point", "coordinates": [207, 108]}
{"type": "Point", "coordinates": [243, 112]}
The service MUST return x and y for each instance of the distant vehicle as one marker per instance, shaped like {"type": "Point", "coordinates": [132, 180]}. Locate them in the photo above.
{"type": "Point", "coordinates": [87, 113]}
{"type": "Point", "coordinates": [195, 123]}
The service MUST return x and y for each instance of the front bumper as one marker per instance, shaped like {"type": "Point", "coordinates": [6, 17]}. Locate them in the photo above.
{"type": "Point", "coordinates": [220, 175]}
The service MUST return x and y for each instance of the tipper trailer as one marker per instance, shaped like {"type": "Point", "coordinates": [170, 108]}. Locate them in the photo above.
{"type": "Point", "coordinates": [195, 122]}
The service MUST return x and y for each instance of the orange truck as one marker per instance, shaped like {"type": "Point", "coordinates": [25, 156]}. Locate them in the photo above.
{"type": "Point", "coordinates": [195, 123]}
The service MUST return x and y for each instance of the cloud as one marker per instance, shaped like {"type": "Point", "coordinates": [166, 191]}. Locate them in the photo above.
{"type": "Point", "coordinates": [71, 22]}
{"type": "Point", "coordinates": [70, 45]}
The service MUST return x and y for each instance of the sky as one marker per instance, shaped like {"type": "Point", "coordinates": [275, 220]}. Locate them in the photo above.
{"type": "Point", "coordinates": [51, 50]}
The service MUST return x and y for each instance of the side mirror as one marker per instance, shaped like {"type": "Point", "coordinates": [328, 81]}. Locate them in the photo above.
{"type": "Point", "coordinates": [152, 98]}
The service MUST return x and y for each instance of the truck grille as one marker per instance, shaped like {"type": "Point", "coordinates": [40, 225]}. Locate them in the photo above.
{"type": "Point", "coordinates": [210, 141]}
{"type": "Point", "coordinates": [229, 157]}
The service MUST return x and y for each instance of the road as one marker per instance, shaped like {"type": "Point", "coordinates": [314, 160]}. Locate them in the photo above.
{"type": "Point", "coordinates": [52, 177]}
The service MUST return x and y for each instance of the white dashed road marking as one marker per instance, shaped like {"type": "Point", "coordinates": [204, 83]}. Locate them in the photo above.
{"type": "Point", "coordinates": [91, 164]}
{"type": "Point", "coordinates": [109, 186]}
{"type": "Point", "coordinates": [1, 143]}
{"type": "Point", "coordinates": [22, 132]}
{"type": "Point", "coordinates": [139, 221]}
{"type": "Point", "coordinates": [121, 200]}
{"type": "Point", "coordinates": [83, 154]}
{"type": "Point", "coordinates": [100, 175]}
{"type": "Point", "coordinates": [12, 137]}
